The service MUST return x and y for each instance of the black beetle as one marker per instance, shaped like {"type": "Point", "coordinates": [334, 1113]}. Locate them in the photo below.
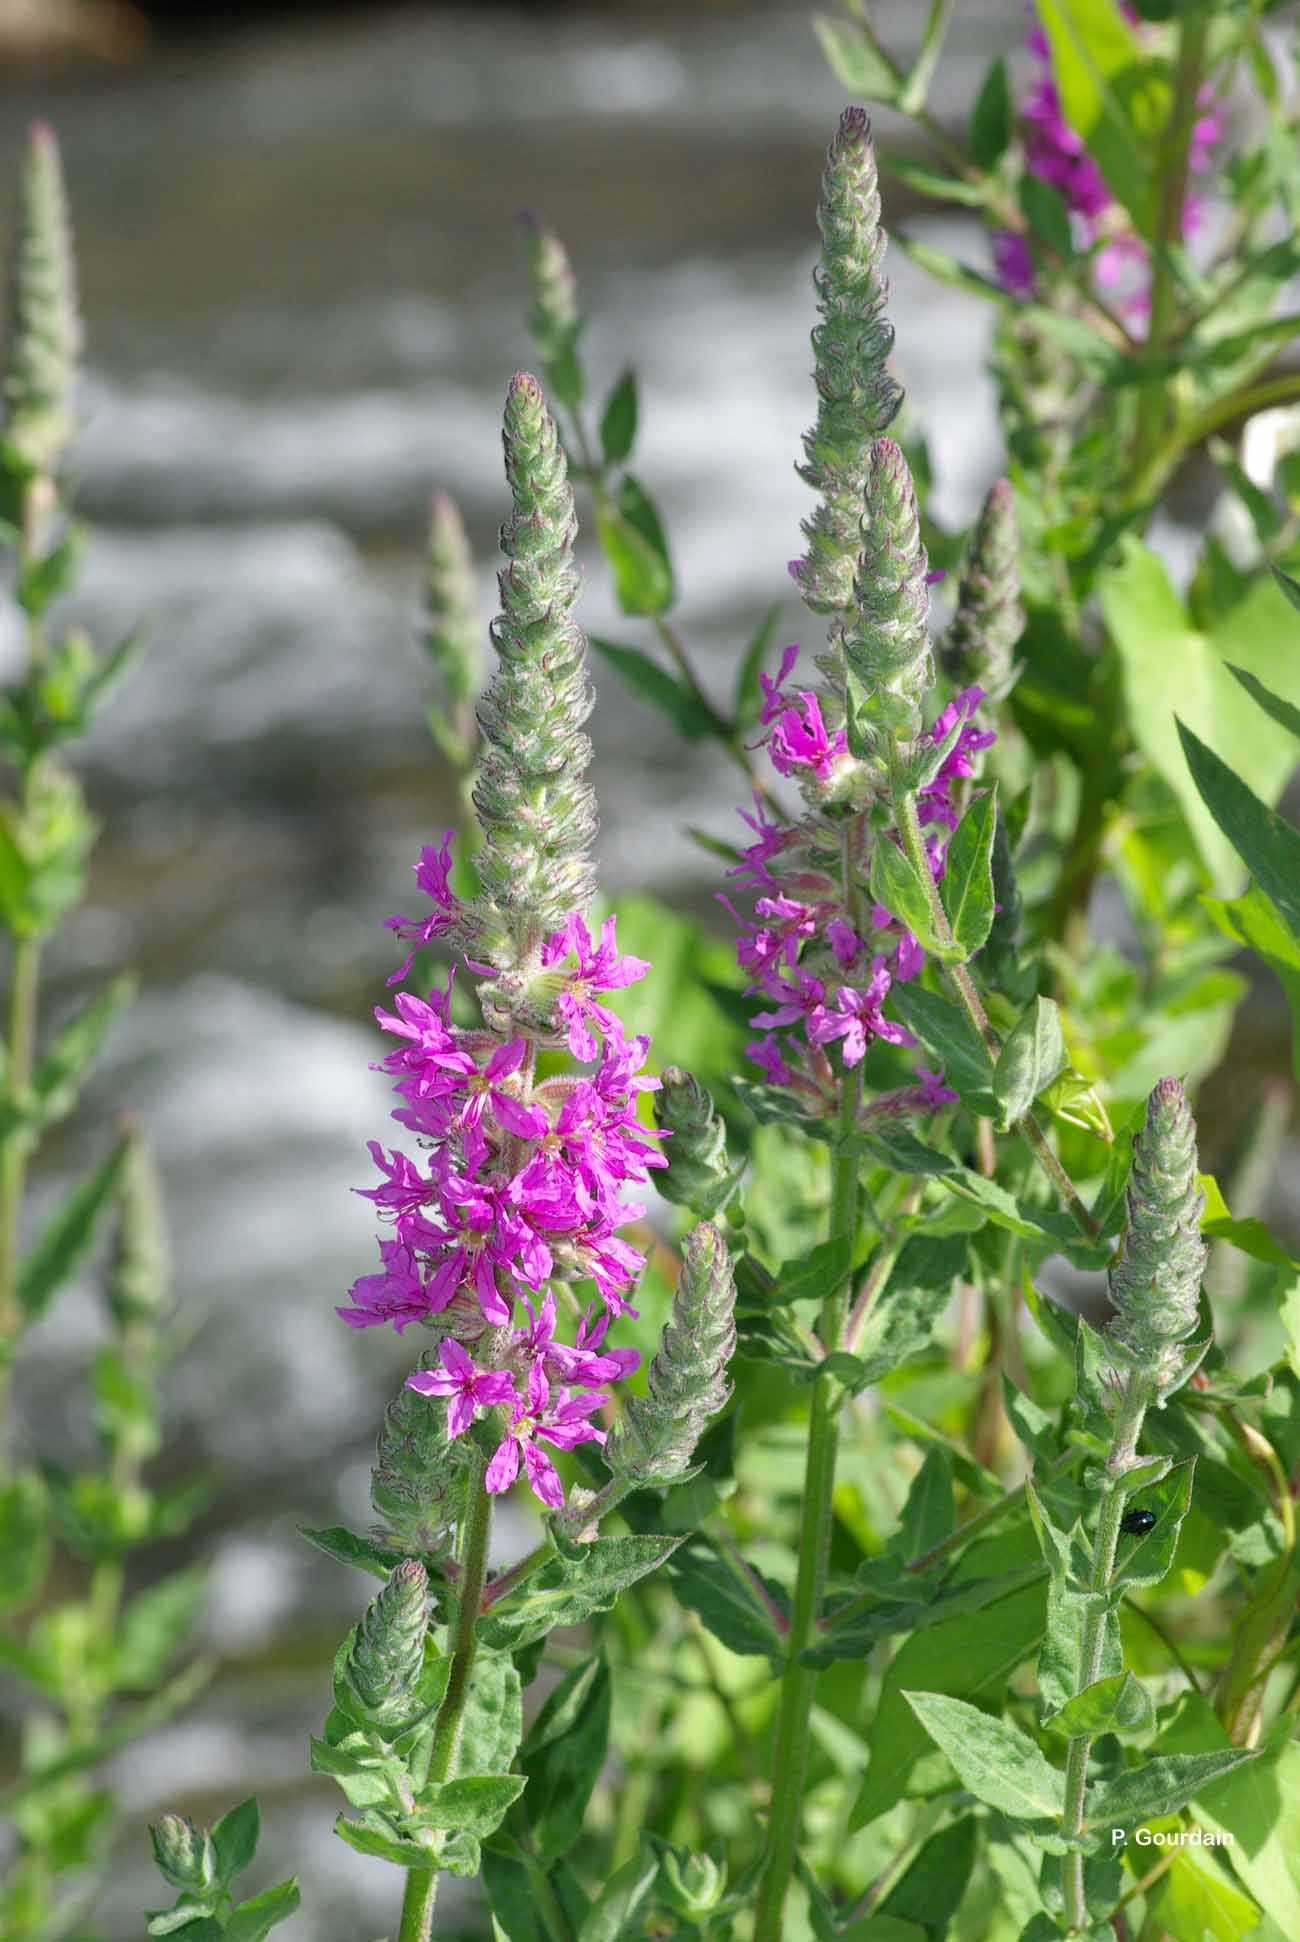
{"type": "Point", "coordinates": [1138, 1522]}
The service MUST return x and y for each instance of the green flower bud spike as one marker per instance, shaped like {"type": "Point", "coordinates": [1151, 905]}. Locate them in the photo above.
{"type": "Point", "coordinates": [697, 1175]}
{"type": "Point", "coordinates": [857, 397]}
{"type": "Point", "coordinates": [184, 1853]}
{"type": "Point", "coordinates": [555, 320]}
{"type": "Point", "coordinates": [387, 1655]}
{"type": "Point", "coordinates": [980, 644]}
{"type": "Point", "coordinates": [44, 334]}
{"type": "Point", "coordinates": [537, 813]}
{"type": "Point", "coordinates": [1155, 1278]}
{"type": "Point", "coordinates": [451, 622]}
{"type": "Point", "coordinates": [415, 1486]}
{"type": "Point", "coordinates": [138, 1279]}
{"type": "Point", "coordinates": [886, 639]}
{"type": "Point", "coordinates": [687, 1381]}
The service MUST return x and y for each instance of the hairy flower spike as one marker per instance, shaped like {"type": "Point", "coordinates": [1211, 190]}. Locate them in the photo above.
{"type": "Point", "coordinates": [387, 1654]}
{"type": "Point", "coordinates": [184, 1853]}
{"type": "Point", "coordinates": [555, 321]}
{"type": "Point", "coordinates": [687, 1382]}
{"type": "Point", "coordinates": [1155, 1279]}
{"type": "Point", "coordinates": [857, 397]}
{"type": "Point", "coordinates": [697, 1175]}
{"type": "Point", "coordinates": [451, 622]}
{"type": "Point", "coordinates": [886, 639]}
{"type": "Point", "coordinates": [413, 1486]}
{"type": "Point", "coordinates": [44, 335]}
{"type": "Point", "coordinates": [538, 814]}
{"type": "Point", "coordinates": [981, 640]}
{"type": "Point", "coordinates": [137, 1286]}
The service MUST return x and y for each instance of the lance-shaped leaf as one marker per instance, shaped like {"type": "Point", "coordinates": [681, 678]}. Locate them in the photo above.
{"type": "Point", "coordinates": [1120, 1704]}
{"type": "Point", "coordinates": [563, 1755]}
{"type": "Point", "coordinates": [967, 886]}
{"type": "Point", "coordinates": [68, 1236]}
{"type": "Point", "coordinates": [944, 1029]}
{"type": "Point", "coordinates": [895, 884]}
{"type": "Point", "coordinates": [1269, 847]}
{"type": "Point", "coordinates": [1148, 1559]}
{"type": "Point", "coordinates": [567, 1590]}
{"type": "Point", "coordinates": [1033, 1055]}
{"type": "Point", "coordinates": [997, 1763]}
{"type": "Point", "coordinates": [1161, 1786]}
{"type": "Point", "coordinates": [739, 1606]}
{"type": "Point", "coordinates": [901, 1321]}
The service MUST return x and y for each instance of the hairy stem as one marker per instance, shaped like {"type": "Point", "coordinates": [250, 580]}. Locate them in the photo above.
{"type": "Point", "coordinates": [476, 1528]}
{"type": "Point", "coordinates": [1128, 1427]}
{"type": "Point", "coordinates": [799, 1681]}
{"type": "Point", "coordinates": [909, 829]}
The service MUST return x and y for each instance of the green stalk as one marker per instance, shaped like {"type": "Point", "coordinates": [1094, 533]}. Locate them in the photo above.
{"type": "Point", "coordinates": [1153, 396]}
{"type": "Point", "coordinates": [909, 829]}
{"type": "Point", "coordinates": [1128, 1427]}
{"type": "Point", "coordinates": [422, 1884]}
{"type": "Point", "coordinates": [799, 1681]}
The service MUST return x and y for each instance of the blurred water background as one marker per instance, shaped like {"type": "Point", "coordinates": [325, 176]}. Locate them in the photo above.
{"type": "Point", "coordinates": [305, 293]}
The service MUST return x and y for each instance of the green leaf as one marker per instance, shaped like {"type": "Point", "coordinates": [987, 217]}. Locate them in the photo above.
{"type": "Point", "coordinates": [563, 1755]}
{"type": "Point", "coordinates": [642, 582]}
{"type": "Point", "coordinates": [895, 884]}
{"type": "Point", "coordinates": [1112, 95]}
{"type": "Point", "coordinates": [1161, 1786]}
{"type": "Point", "coordinates": [1257, 1807]}
{"type": "Point", "coordinates": [57, 1079]}
{"type": "Point", "coordinates": [1044, 210]}
{"type": "Point", "coordinates": [69, 1235]}
{"type": "Point", "coordinates": [1195, 1895]}
{"type": "Point", "coordinates": [1282, 711]}
{"type": "Point", "coordinates": [1249, 1237]}
{"type": "Point", "coordinates": [946, 269]}
{"type": "Point", "coordinates": [931, 1889]}
{"type": "Point", "coordinates": [254, 1919]}
{"type": "Point", "coordinates": [613, 1915]}
{"type": "Point", "coordinates": [1119, 1704]}
{"type": "Point", "coordinates": [901, 1321]}
{"type": "Point", "coordinates": [729, 1602]}
{"type": "Point", "coordinates": [370, 1834]}
{"type": "Point", "coordinates": [933, 182]}
{"type": "Point", "coordinates": [990, 123]}
{"type": "Point", "coordinates": [1254, 921]}
{"type": "Point", "coordinates": [1033, 1056]}
{"type": "Point", "coordinates": [815, 1275]}
{"type": "Point", "coordinates": [567, 1590]}
{"type": "Point", "coordinates": [494, 1721]}
{"type": "Point", "coordinates": [1269, 847]}
{"type": "Point", "coordinates": [1288, 587]}
{"type": "Point", "coordinates": [1167, 664]}
{"type": "Point", "coordinates": [997, 1763]}
{"type": "Point", "coordinates": [476, 1804]}
{"type": "Point", "coordinates": [917, 85]}
{"type": "Point", "coordinates": [1149, 1560]}
{"type": "Point", "coordinates": [747, 702]}
{"type": "Point", "coordinates": [946, 1032]}
{"type": "Point", "coordinates": [618, 420]}
{"type": "Point", "coordinates": [513, 1893]}
{"type": "Point", "coordinates": [234, 1839]}
{"type": "Point", "coordinates": [154, 1626]}
{"type": "Point", "coordinates": [855, 63]}
{"type": "Point", "coordinates": [973, 1654]}
{"type": "Point", "coordinates": [380, 1560]}
{"type": "Point", "coordinates": [656, 685]}
{"type": "Point", "coordinates": [25, 1543]}
{"type": "Point", "coordinates": [967, 885]}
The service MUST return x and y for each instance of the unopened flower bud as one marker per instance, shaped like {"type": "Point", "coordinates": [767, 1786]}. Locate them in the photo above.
{"type": "Point", "coordinates": [1155, 1279]}
{"type": "Point", "coordinates": [979, 646]}
{"type": "Point", "coordinates": [885, 638]}
{"type": "Point", "coordinates": [184, 1853]}
{"type": "Point", "coordinates": [697, 1175]}
{"type": "Point", "coordinates": [137, 1284]}
{"type": "Point", "coordinates": [555, 320]}
{"type": "Point", "coordinates": [687, 1382]}
{"type": "Point", "coordinates": [537, 812]}
{"type": "Point", "coordinates": [691, 1884]}
{"type": "Point", "coordinates": [856, 396]}
{"type": "Point", "coordinates": [451, 622]}
{"type": "Point", "coordinates": [387, 1655]}
{"type": "Point", "coordinates": [414, 1484]}
{"type": "Point", "coordinates": [44, 333]}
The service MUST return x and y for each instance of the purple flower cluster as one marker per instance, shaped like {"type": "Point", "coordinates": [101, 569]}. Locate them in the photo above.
{"type": "Point", "coordinates": [517, 1193]}
{"type": "Point", "coordinates": [824, 972]}
{"type": "Point", "coordinates": [1056, 154]}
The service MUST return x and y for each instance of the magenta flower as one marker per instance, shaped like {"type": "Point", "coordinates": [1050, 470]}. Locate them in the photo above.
{"type": "Point", "coordinates": [799, 739]}
{"type": "Point", "coordinates": [563, 1423]}
{"type": "Point", "coordinates": [432, 874]}
{"type": "Point", "coordinates": [933, 1092]}
{"type": "Point", "coordinates": [397, 1295]}
{"type": "Point", "coordinates": [467, 1388]}
{"type": "Point", "coordinates": [599, 968]}
{"type": "Point", "coordinates": [855, 1018]}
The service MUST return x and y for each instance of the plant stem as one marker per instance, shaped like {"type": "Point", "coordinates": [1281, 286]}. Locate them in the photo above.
{"type": "Point", "coordinates": [476, 1528]}
{"type": "Point", "coordinates": [21, 1055]}
{"type": "Point", "coordinates": [1153, 396]}
{"type": "Point", "coordinates": [909, 829]}
{"type": "Point", "coordinates": [799, 1681]}
{"type": "Point", "coordinates": [1128, 1425]}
